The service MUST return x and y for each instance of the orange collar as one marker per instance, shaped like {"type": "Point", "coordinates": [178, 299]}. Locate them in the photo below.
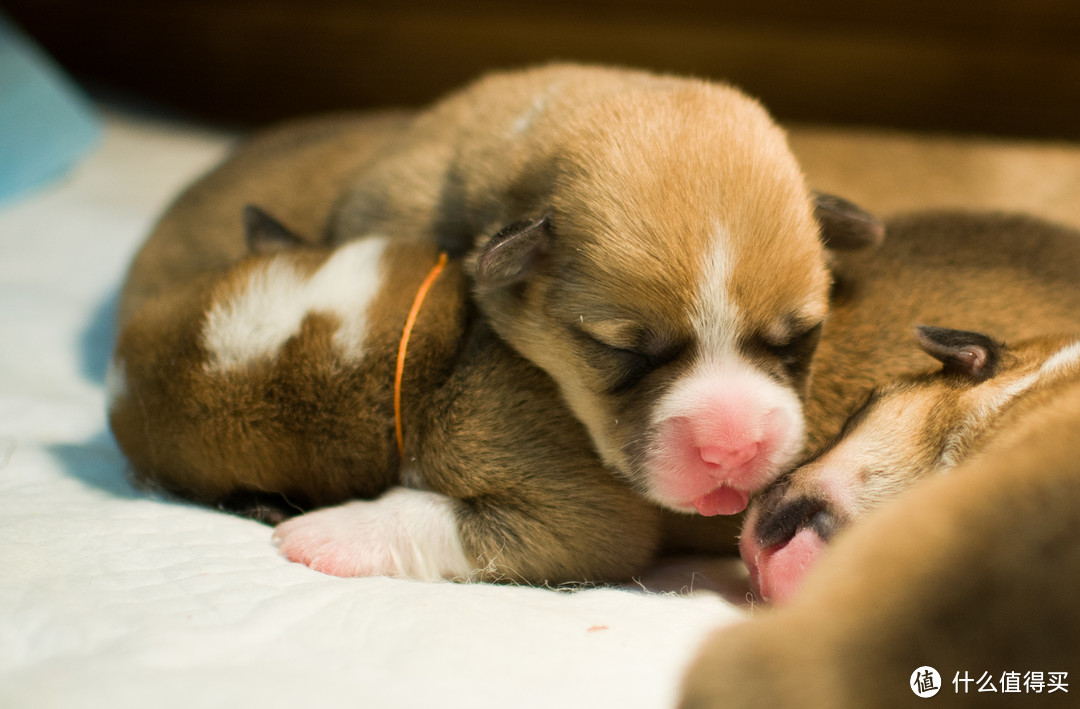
{"type": "Point", "coordinates": [409, 322]}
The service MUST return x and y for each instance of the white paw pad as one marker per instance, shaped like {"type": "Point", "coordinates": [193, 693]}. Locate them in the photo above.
{"type": "Point", "coordinates": [405, 532]}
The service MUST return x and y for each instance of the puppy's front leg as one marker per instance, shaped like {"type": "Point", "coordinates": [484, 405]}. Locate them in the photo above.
{"type": "Point", "coordinates": [581, 532]}
{"type": "Point", "coordinates": [513, 491]}
{"type": "Point", "coordinates": [404, 532]}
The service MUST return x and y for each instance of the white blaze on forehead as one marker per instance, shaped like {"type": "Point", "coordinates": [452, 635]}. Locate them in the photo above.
{"type": "Point", "coordinates": [268, 308]}
{"type": "Point", "coordinates": [715, 317]}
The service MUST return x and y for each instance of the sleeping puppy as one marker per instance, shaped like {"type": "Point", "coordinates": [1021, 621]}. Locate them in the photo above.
{"type": "Point", "coordinates": [648, 241]}
{"type": "Point", "coordinates": [1011, 275]}
{"type": "Point", "coordinates": [970, 573]}
{"type": "Point", "coordinates": [1008, 274]}
{"type": "Point", "coordinates": [236, 382]}
{"type": "Point", "coordinates": [915, 426]}
{"type": "Point", "coordinates": [973, 573]}
{"type": "Point", "coordinates": [276, 374]}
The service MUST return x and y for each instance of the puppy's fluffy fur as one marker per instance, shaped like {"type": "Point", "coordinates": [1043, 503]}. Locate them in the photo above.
{"type": "Point", "coordinates": [970, 572]}
{"type": "Point", "coordinates": [239, 375]}
{"type": "Point", "coordinates": [959, 555]}
{"type": "Point", "coordinates": [646, 240]}
{"type": "Point", "coordinates": [272, 380]}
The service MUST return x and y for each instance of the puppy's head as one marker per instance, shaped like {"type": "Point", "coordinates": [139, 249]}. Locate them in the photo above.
{"type": "Point", "coordinates": [914, 427]}
{"type": "Point", "coordinates": [672, 279]}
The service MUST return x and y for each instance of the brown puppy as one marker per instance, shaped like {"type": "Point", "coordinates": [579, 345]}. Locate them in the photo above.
{"type": "Point", "coordinates": [1010, 275]}
{"type": "Point", "coordinates": [266, 383]}
{"type": "Point", "coordinates": [973, 573]}
{"type": "Point", "coordinates": [646, 240]}
{"type": "Point", "coordinates": [913, 427]}
{"type": "Point", "coordinates": [276, 375]}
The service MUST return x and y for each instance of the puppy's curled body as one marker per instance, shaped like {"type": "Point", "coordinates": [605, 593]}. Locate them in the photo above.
{"type": "Point", "coordinates": [646, 240]}
{"type": "Point", "coordinates": [264, 382]}
{"type": "Point", "coordinates": [970, 570]}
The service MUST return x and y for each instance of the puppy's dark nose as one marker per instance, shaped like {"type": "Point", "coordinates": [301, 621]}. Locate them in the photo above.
{"type": "Point", "coordinates": [781, 517]}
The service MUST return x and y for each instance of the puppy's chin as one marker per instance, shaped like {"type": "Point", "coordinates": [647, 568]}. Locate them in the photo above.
{"type": "Point", "coordinates": [719, 435]}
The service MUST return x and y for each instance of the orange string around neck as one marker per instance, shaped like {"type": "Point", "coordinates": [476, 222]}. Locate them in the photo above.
{"type": "Point", "coordinates": [413, 312]}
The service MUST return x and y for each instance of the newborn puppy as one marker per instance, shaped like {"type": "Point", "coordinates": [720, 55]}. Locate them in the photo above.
{"type": "Point", "coordinates": [968, 572]}
{"type": "Point", "coordinates": [973, 573]}
{"type": "Point", "coordinates": [1008, 274]}
{"type": "Point", "coordinates": [911, 428]}
{"type": "Point", "coordinates": [648, 241]}
{"type": "Point", "coordinates": [275, 377]}
{"type": "Point", "coordinates": [1011, 275]}
{"type": "Point", "coordinates": [279, 404]}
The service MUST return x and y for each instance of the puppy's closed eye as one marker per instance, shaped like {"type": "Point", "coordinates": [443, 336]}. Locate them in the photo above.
{"type": "Point", "coordinates": [793, 352]}
{"type": "Point", "coordinates": [624, 353]}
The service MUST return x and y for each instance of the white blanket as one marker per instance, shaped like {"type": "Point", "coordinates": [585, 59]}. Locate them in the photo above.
{"type": "Point", "coordinates": [110, 597]}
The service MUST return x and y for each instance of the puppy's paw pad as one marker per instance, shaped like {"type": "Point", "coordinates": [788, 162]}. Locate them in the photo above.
{"type": "Point", "coordinates": [408, 533]}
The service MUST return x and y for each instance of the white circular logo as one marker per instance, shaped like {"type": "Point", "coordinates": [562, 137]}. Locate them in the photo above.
{"type": "Point", "coordinates": [925, 682]}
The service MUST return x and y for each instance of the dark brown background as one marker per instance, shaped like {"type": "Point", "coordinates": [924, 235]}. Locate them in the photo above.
{"type": "Point", "coordinates": [1006, 67]}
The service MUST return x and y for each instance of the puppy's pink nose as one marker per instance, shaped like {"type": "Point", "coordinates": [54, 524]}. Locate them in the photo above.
{"type": "Point", "coordinates": [729, 457]}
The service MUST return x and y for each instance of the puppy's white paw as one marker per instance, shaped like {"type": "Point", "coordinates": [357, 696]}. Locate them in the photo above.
{"type": "Point", "coordinates": [405, 532]}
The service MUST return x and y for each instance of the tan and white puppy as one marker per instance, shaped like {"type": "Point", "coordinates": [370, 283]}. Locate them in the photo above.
{"type": "Point", "coordinates": [973, 573]}
{"type": "Point", "coordinates": [914, 427]}
{"type": "Point", "coordinates": [1008, 274]}
{"type": "Point", "coordinates": [224, 388]}
{"type": "Point", "coordinates": [271, 380]}
{"type": "Point", "coordinates": [648, 241]}
{"type": "Point", "coordinates": [1011, 275]}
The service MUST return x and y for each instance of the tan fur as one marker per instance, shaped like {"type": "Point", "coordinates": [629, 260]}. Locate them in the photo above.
{"type": "Point", "coordinates": [314, 425]}
{"type": "Point", "coordinates": [974, 571]}
{"type": "Point", "coordinates": [636, 174]}
{"type": "Point", "coordinates": [299, 166]}
{"type": "Point", "coordinates": [913, 427]}
{"type": "Point", "coordinates": [1010, 275]}
{"type": "Point", "coordinates": [888, 172]}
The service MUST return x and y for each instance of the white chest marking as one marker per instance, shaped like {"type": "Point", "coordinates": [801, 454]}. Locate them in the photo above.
{"type": "Point", "coordinates": [269, 308]}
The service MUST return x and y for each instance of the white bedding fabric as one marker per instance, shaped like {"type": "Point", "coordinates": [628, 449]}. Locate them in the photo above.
{"type": "Point", "coordinates": [111, 598]}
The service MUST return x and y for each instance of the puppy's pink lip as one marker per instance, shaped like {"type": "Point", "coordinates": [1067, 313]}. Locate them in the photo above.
{"type": "Point", "coordinates": [723, 500]}
{"type": "Point", "coordinates": [785, 566]}
{"type": "Point", "coordinates": [762, 559]}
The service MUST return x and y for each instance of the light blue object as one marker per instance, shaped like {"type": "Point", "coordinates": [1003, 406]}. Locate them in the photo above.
{"type": "Point", "coordinates": [46, 125]}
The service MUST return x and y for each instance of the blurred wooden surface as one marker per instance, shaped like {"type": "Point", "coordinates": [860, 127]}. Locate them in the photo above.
{"type": "Point", "coordinates": [1005, 67]}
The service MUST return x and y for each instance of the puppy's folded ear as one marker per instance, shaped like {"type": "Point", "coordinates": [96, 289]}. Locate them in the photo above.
{"type": "Point", "coordinates": [514, 252]}
{"type": "Point", "coordinates": [266, 235]}
{"type": "Point", "coordinates": [845, 226]}
{"type": "Point", "coordinates": [969, 354]}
